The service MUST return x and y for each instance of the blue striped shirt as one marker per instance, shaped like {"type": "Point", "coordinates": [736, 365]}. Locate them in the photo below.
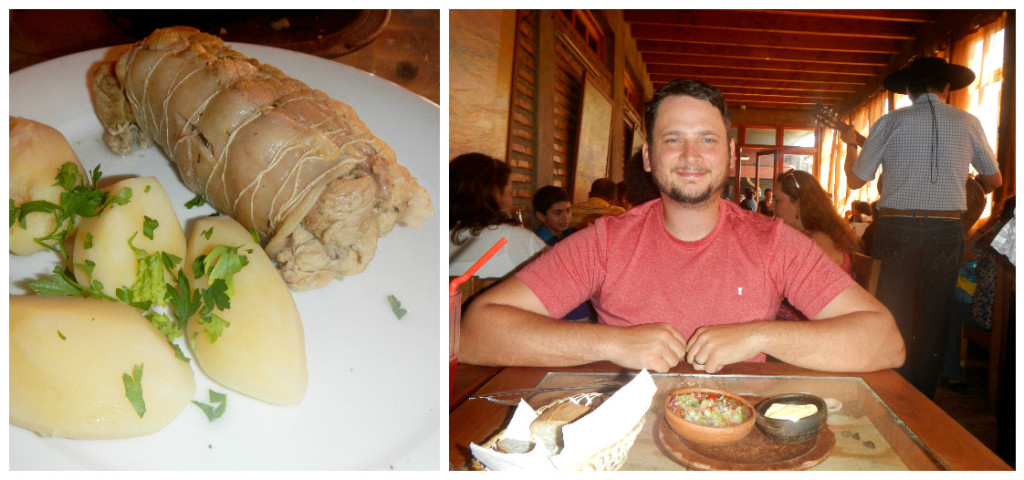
{"type": "Point", "coordinates": [901, 141]}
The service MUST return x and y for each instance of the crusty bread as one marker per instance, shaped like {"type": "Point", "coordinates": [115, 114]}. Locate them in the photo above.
{"type": "Point", "coordinates": [514, 445]}
{"type": "Point", "coordinates": [546, 430]}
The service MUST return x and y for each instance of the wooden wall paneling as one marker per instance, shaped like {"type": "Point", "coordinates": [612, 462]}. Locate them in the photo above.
{"type": "Point", "coordinates": [568, 87]}
{"type": "Point", "coordinates": [521, 155]}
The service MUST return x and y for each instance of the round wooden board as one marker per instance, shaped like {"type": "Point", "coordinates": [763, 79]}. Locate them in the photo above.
{"type": "Point", "coordinates": [753, 452]}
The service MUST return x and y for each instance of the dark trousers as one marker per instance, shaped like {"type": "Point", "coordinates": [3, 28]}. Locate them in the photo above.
{"type": "Point", "coordinates": [920, 263]}
{"type": "Point", "coordinates": [959, 315]}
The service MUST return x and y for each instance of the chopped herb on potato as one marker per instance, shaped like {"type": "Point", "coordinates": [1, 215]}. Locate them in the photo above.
{"type": "Point", "coordinates": [81, 198]}
{"type": "Point", "coordinates": [133, 389]}
{"type": "Point", "coordinates": [61, 282]}
{"type": "Point", "coordinates": [148, 225]}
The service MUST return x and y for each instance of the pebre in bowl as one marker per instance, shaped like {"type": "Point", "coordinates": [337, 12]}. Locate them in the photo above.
{"type": "Point", "coordinates": [708, 416]}
{"type": "Point", "coordinates": [791, 418]}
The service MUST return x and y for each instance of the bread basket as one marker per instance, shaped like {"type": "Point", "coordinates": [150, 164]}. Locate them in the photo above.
{"type": "Point", "coordinates": [609, 458]}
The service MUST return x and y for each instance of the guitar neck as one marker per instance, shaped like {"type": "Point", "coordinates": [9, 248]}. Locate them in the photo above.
{"type": "Point", "coordinates": [828, 117]}
{"type": "Point", "coordinates": [840, 126]}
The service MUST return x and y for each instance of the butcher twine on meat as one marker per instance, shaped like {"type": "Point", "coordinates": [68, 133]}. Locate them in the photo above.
{"type": "Point", "coordinates": [278, 156]}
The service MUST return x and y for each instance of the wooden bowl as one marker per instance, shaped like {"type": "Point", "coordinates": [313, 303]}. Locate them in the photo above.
{"type": "Point", "coordinates": [789, 431]}
{"type": "Point", "coordinates": [708, 435]}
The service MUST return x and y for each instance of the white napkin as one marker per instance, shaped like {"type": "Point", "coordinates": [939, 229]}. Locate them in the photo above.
{"type": "Point", "coordinates": [1005, 241]}
{"type": "Point", "coordinates": [597, 430]}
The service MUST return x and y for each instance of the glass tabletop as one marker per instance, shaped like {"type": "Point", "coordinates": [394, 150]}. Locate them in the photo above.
{"type": "Point", "coordinates": [868, 434]}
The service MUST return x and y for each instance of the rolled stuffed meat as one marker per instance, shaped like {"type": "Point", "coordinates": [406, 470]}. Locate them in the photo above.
{"type": "Point", "coordinates": [278, 156]}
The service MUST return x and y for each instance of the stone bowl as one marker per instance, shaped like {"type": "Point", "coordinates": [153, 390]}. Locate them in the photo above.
{"type": "Point", "coordinates": [704, 434]}
{"type": "Point", "coordinates": [790, 431]}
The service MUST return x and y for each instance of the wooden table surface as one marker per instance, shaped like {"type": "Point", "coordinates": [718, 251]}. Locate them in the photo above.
{"type": "Point", "coordinates": [476, 420]}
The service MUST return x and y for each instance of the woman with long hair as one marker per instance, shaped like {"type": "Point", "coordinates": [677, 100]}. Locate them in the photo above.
{"type": "Point", "coordinates": [802, 204]}
{"type": "Point", "coordinates": [480, 198]}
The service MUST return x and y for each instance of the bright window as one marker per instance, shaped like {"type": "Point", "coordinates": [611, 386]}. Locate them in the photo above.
{"type": "Point", "coordinates": [798, 138]}
{"type": "Point", "coordinates": [759, 136]}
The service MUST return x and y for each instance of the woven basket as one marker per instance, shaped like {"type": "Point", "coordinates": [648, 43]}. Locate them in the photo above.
{"type": "Point", "coordinates": [609, 458]}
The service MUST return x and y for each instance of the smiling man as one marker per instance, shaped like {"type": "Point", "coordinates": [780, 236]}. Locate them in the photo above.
{"type": "Point", "coordinates": [677, 279]}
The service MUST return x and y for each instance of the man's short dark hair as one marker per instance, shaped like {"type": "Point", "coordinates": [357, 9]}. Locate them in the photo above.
{"type": "Point", "coordinates": [604, 188]}
{"type": "Point", "coordinates": [690, 88]}
{"type": "Point", "coordinates": [547, 196]}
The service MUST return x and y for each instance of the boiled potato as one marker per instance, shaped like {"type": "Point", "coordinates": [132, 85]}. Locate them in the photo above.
{"type": "Point", "coordinates": [262, 353]}
{"type": "Point", "coordinates": [116, 265]}
{"type": "Point", "coordinates": [67, 358]}
{"type": "Point", "coordinates": [37, 153]}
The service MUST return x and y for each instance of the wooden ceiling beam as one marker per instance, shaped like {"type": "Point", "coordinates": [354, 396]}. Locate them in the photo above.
{"type": "Point", "coordinates": [762, 83]}
{"type": "Point", "coordinates": [764, 52]}
{"type": "Point", "coordinates": [757, 64]}
{"type": "Point", "coordinates": [769, 21]}
{"type": "Point", "coordinates": [802, 106]}
{"type": "Point", "coordinates": [799, 41]}
{"type": "Point", "coordinates": [910, 16]}
{"type": "Point", "coordinates": [739, 72]}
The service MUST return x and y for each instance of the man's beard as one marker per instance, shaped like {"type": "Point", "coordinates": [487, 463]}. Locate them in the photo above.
{"type": "Point", "coordinates": [677, 194]}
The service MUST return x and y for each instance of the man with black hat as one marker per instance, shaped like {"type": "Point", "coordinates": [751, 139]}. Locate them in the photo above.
{"type": "Point", "coordinates": [925, 151]}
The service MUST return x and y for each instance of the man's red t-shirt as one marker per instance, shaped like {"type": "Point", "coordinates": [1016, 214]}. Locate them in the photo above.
{"type": "Point", "coordinates": [636, 272]}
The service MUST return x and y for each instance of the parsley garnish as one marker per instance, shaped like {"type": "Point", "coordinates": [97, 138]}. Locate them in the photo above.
{"type": "Point", "coordinates": [87, 244]}
{"type": "Point", "coordinates": [80, 198]}
{"type": "Point", "coordinates": [220, 266]}
{"type": "Point", "coordinates": [148, 225]}
{"type": "Point", "coordinates": [206, 233]}
{"type": "Point", "coordinates": [255, 234]}
{"type": "Point", "coordinates": [184, 300]}
{"type": "Point", "coordinates": [396, 307]}
{"type": "Point", "coordinates": [222, 263]}
{"type": "Point", "coordinates": [61, 335]}
{"type": "Point", "coordinates": [133, 389]}
{"type": "Point", "coordinates": [197, 201]}
{"type": "Point", "coordinates": [62, 283]}
{"type": "Point", "coordinates": [213, 413]}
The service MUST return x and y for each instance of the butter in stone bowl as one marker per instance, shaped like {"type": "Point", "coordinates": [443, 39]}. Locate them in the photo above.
{"type": "Point", "coordinates": [792, 417]}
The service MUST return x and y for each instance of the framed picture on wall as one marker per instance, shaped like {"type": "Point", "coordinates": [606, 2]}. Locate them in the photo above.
{"type": "Point", "coordinates": [594, 139]}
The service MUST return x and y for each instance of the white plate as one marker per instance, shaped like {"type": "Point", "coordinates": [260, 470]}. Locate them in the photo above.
{"type": "Point", "coordinates": [374, 380]}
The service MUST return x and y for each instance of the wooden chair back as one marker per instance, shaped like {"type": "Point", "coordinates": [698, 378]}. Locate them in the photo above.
{"type": "Point", "coordinates": [994, 340]}
{"type": "Point", "coordinates": [866, 271]}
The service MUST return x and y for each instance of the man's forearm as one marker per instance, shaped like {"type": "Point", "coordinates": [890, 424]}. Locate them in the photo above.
{"type": "Point", "coordinates": [508, 325]}
{"type": "Point", "coordinates": [990, 182]}
{"type": "Point", "coordinates": [838, 344]}
{"type": "Point", "coordinates": [852, 180]}
{"type": "Point", "coordinates": [863, 340]}
{"type": "Point", "coordinates": [494, 334]}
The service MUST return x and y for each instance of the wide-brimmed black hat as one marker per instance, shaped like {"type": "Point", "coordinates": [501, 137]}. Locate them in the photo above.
{"type": "Point", "coordinates": [929, 68]}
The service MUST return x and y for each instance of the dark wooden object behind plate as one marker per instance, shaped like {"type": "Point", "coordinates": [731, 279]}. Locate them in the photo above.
{"type": "Point", "coordinates": [753, 452]}
{"type": "Point", "coordinates": [325, 33]}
